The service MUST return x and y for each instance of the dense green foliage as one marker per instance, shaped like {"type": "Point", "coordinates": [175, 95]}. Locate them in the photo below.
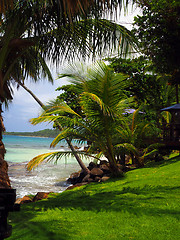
{"type": "Point", "coordinates": [144, 83]}
{"type": "Point", "coordinates": [43, 133]}
{"type": "Point", "coordinates": [142, 206]}
{"type": "Point", "coordinates": [70, 96]}
{"type": "Point", "coordinates": [102, 103]}
{"type": "Point", "coordinates": [146, 86]}
{"type": "Point", "coordinates": [104, 124]}
{"type": "Point", "coordinates": [158, 33]}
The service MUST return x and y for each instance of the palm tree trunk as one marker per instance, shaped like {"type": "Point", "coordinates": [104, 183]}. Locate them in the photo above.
{"type": "Point", "coordinates": [4, 178]}
{"type": "Point", "coordinates": [177, 93]}
{"type": "Point", "coordinates": [82, 165]}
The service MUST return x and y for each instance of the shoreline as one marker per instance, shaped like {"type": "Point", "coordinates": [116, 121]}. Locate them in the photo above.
{"type": "Point", "coordinates": [25, 136]}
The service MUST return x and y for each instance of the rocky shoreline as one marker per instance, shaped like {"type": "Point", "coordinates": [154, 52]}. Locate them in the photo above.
{"type": "Point", "coordinates": [98, 173]}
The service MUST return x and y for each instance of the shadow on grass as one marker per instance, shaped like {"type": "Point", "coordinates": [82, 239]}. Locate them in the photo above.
{"type": "Point", "coordinates": [26, 228]}
{"type": "Point", "coordinates": [30, 223]}
{"type": "Point", "coordinates": [147, 200]}
{"type": "Point", "coordinates": [163, 163]}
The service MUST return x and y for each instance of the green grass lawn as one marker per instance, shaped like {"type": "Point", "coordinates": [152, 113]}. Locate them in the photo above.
{"type": "Point", "coordinates": [142, 205]}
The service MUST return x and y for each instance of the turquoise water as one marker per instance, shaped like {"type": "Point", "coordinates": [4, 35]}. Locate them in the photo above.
{"type": "Point", "coordinates": [45, 178]}
{"type": "Point", "coordinates": [23, 149]}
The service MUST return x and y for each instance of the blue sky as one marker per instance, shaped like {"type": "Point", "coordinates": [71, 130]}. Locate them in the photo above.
{"type": "Point", "coordinates": [24, 107]}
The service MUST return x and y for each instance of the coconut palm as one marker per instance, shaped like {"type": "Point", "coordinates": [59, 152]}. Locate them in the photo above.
{"type": "Point", "coordinates": [58, 126]}
{"type": "Point", "coordinates": [102, 103]}
{"type": "Point", "coordinates": [55, 30]}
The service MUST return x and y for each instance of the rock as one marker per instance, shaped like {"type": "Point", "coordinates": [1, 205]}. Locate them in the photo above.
{"type": "Point", "coordinates": [103, 162]}
{"type": "Point", "coordinates": [90, 180]}
{"type": "Point", "coordinates": [25, 199]}
{"type": "Point", "coordinates": [18, 201]}
{"type": "Point", "coordinates": [40, 195]}
{"type": "Point", "coordinates": [105, 178]}
{"type": "Point", "coordinates": [105, 168]}
{"type": "Point", "coordinates": [96, 172]}
{"type": "Point", "coordinates": [97, 179]}
{"type": "Point", "coordinates": [73, 177]}
{"type": "Point", "coordinates": [91, 165]}
{"type": "Point", "coordinates": [85, 179]}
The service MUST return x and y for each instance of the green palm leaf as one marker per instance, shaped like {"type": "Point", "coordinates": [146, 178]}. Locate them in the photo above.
{"type": "Point", "coordinates": [129, 148]}
{"type": "Point", "coordinates": [55, 156]}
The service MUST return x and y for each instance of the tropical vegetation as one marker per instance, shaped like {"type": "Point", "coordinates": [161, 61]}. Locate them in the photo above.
{"type": "Point", "coordinates": [42, 133]}
{"type": "Point", "coordinates": [102, 120]}
{"type": "Point", "coordinates": [157, 30]}
{"type": "Point", "coordinates": [146, 85]}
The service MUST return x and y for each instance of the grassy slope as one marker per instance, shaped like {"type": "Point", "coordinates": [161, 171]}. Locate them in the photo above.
{"type": "Point", "coordinates": [144, 205]}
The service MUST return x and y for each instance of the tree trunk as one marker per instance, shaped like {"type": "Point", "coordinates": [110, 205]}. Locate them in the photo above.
{"type": "Point", "coordinates": [123, 157]}
{"type": "Point", "coordinates": [4, 178]}
{"type": "Point", "coordinates": [82, 165]}
{"type": "Point", "coordinates": [177, 93]}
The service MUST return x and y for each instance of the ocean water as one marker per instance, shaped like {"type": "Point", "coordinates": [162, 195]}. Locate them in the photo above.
{"type": "Point", "coordinates": [48, 177]}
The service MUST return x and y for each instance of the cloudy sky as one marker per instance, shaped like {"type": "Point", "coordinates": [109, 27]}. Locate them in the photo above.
{"type": "Point", "coordinates": [24, 107]}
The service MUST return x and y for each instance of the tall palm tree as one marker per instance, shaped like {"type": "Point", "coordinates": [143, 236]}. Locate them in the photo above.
{"type": "Point", "coordinates": [58, 126]}
{"type": "Point", "coordinates": [102, 105]}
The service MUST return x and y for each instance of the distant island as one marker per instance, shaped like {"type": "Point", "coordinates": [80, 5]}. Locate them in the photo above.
{"type": "Point", "coordinates": [43, 133]}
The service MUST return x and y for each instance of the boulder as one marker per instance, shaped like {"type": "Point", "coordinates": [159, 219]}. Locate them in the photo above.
{"type": "Point", "coordinates": [97, 179]}
{"type": "Point", "coordinates": [96, 172]}
{"type": "Point", "coordinates": [90, 180]}
{"type": "Point", "coordinates": [85, 179]}
{"type": "Point", "coordinates": [105, 168]}
{"type": "Point", "coordinates": [74, 177]}
{"type": "Point", "coordinates": [105, 178]}
{"type": "Point", "coordinates": [91, 165]}
{"type": "Point", "coordinates": [103, 162]}
{"type": "Point", "coordinates": [25, 199]}
{"type": "Point", "coordinates": [40, 195]}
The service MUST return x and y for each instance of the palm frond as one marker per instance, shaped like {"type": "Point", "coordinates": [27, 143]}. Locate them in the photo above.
{"type": "Point", "coordinates": [167, 116]}
{"type": "Point", "coordinates": [40, 159]}
{"type": "Point", "coordinates": [129, 148]}
{"type": "Point", "coordinates": [55, 156]}
{"type": "Point", "coordinates": [134, 119]}
{"type": "Point", "coordinates": [86, 38]}
{"type": "Point", "coordinates": [63, 135]}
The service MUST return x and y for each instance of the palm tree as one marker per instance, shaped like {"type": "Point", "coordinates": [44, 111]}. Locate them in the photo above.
{"type": "Point", "coordinates": [58, 126]}
{"type": "Point", "coordinates": [102, 103]}
{"type": "Point", "coordinates": [55, 30]}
